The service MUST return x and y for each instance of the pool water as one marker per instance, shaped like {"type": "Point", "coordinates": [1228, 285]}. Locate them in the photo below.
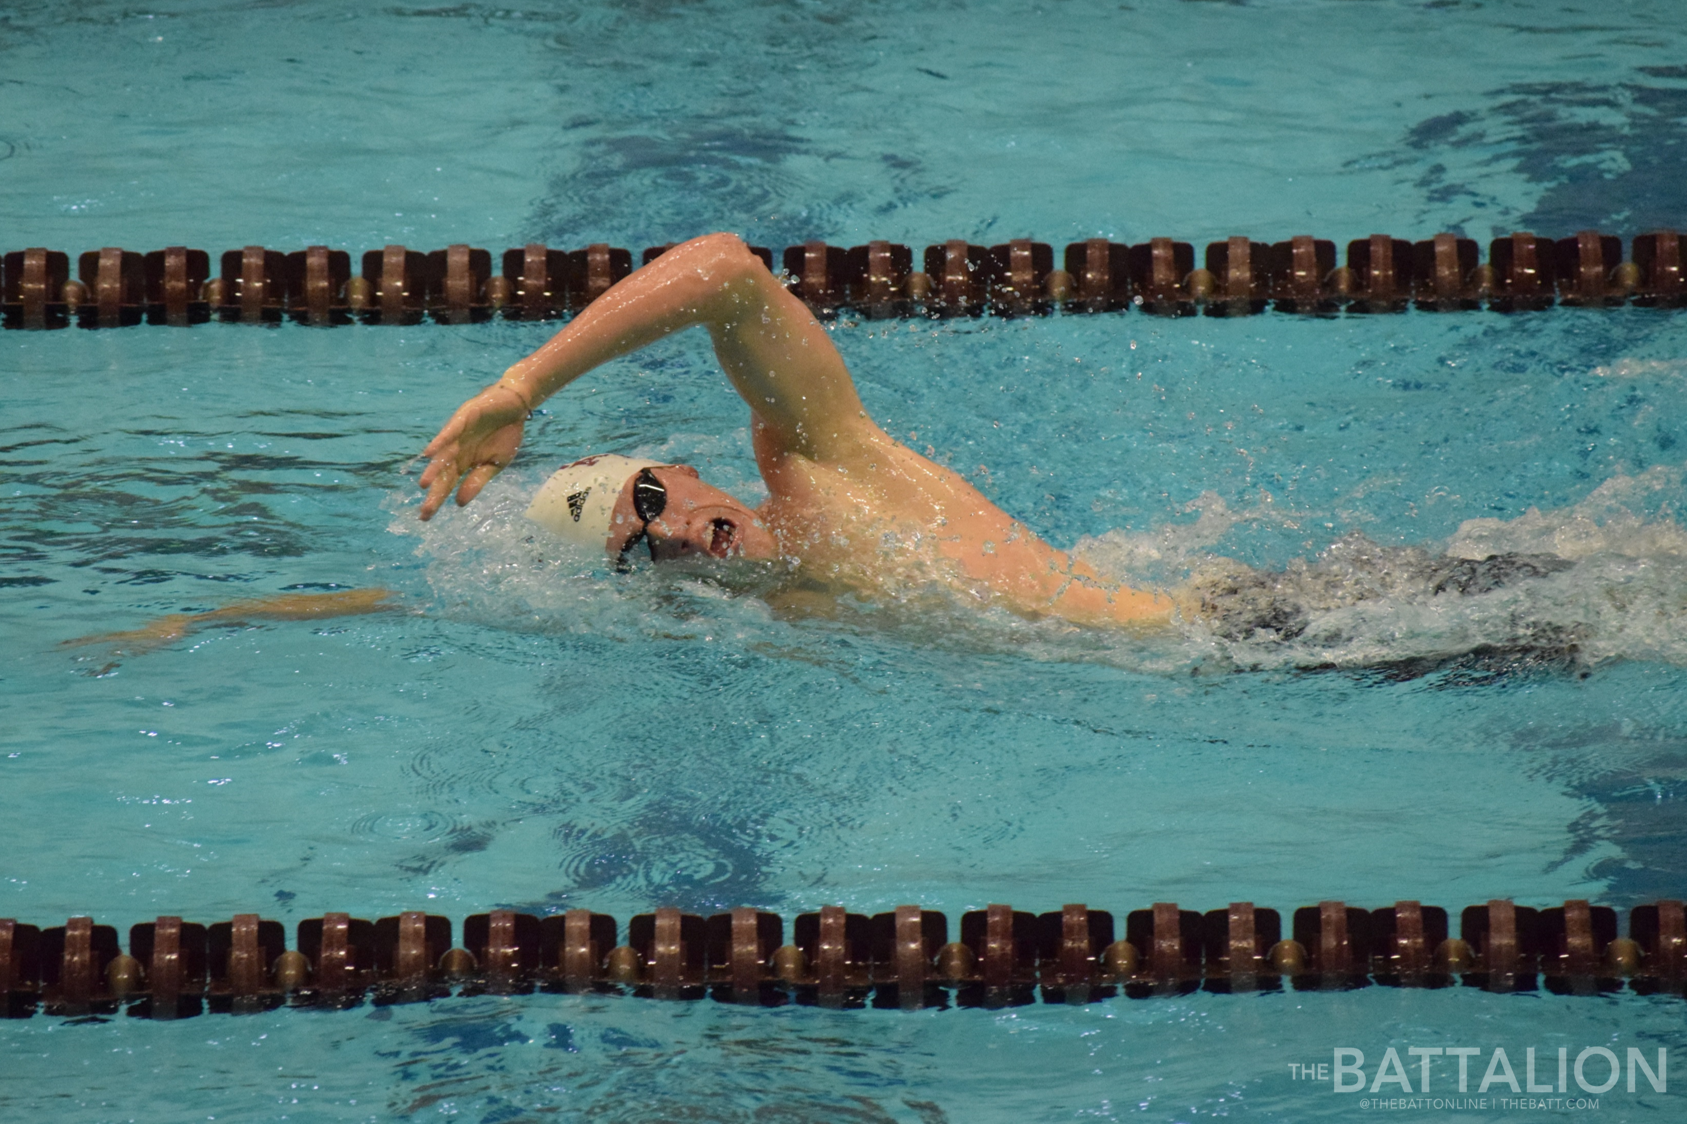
{"type": "Point", "coordinates": [532, 731]}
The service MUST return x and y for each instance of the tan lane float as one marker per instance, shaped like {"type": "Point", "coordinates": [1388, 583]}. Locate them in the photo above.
{"type": "Point", "coordinates": [833, 958]}
{"type": "Point", "coordinates": [114, 287]}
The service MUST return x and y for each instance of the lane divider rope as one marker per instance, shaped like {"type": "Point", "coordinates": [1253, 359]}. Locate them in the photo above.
{"type": "Point", "coordinates": [114, 287]}
{"type": "Point", "coordinates": [904, 958]}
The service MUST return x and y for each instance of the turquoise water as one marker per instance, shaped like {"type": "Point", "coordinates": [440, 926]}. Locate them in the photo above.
{"type": "Point", "coordinates": [534, 732]}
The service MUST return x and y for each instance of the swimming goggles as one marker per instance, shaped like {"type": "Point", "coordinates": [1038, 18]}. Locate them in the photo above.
{"type": "Point", "coordinates": [650, 500]}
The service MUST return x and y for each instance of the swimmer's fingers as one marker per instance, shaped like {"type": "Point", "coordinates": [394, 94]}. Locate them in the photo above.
{"type": "Point", "coordinates": [439, 479]}
{"type": "Point", "coordinates": [468, 470]}
{"type": "Point", "coordinates": [444, 474]}
{"type": "Point", "coordinates": [474, 446]}
{"type": "Point", "coordinates": [446, 447]}
{"type": "Point", "coordinates": [431, 473]}
{"type": "Point", "coordinates": [447, 433]}
{"type": "Point", "coordinates": [475, 481]}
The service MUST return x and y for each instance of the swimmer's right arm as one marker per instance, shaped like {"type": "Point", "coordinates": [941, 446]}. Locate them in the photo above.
{"type": "Point", "coordinates": [279, 607]}
{"type": "Point", "coordinates": [780, 360]}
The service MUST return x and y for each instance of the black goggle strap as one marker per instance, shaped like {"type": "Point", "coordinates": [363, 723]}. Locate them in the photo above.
{"type": "Point", "coordinates": [622, 564]}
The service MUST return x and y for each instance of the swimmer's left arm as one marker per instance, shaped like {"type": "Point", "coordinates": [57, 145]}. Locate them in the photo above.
{"type": "Point", "coordinates": [1085, 597]}
{"type": "Point", "coordinates": [1037, 580]}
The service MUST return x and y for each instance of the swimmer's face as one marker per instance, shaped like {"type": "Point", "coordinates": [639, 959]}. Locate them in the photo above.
{"type": "Point", "coordinates": [679, 516]}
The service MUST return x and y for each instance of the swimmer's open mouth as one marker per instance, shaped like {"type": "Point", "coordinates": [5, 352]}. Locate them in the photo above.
{"type": "Point", "coordinates": [722, 537]}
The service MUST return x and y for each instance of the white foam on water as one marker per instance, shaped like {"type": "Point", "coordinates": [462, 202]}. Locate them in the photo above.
{"type": "Point", "coordinates": [1602, 579]}
{"type": "Point", "coordinates": [1595, 580]}
{"type": "Point", "coordinates": [1166, 551]}
{"type": "Point", "coordinates": [1609, 521]}
{"type": "Point", "coordinates": [1643, 368]}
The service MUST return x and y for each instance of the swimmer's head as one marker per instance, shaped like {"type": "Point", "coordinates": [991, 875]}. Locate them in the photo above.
{"type": "Point", "coordinates": [578, 501]}
{"type": "Point", "coordinates": [615, 502]}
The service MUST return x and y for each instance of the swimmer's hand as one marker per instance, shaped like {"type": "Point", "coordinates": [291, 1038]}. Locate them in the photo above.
{"type": "Point", "coordinates": [473, 447]}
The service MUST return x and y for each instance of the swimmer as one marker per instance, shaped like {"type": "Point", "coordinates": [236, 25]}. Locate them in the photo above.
{"type": "Point", "coordinates": [853, 508]}
{"type": "Point", "coordinates": [849, 507]}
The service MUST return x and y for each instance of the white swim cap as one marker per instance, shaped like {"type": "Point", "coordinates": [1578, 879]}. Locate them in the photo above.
{"type": "Point", "coordinates": [578, 501]}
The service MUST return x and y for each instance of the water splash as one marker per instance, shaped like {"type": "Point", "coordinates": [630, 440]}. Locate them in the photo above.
{"type": "Point", "coordinates": [1603, 579]}
{"type": "Point", "coordinates": [1626, 516]}
{"type": "Point", "coordinates": [1629, 368]}
{"type": "Point", "coordinates": [489, 563]}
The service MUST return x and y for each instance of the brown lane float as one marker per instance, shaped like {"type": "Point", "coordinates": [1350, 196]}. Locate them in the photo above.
{"type": "Point", "coordinates": [1238, 944]}
{"type": "Point", "coordinates": [457, 293]}
{"type": "Point", "coordinates": [1160, 277]}
{"type": "Point", "coordinates": [1657, 260]}
{"type": "Point", "coordinates": [1405, 938]}
{"type": "Point", "coordinates": [252, 288]}
{"type": "Point", "coordinates": [1302, 275]}
{"type": "Point", "coordinates": [175, 286]}
{"type": "Point", "coordinates": [593, 270]}
{"type": "Point", "coordinates": [830, 963]}
{"type": "Point", "coordinates": [115, 282]}
{"type": "Point", "coordinates": [317, 286]}
{"type": "Point", "coordinates": [1379, 276]}
{"type": "Point", "coordinates": [741, 950]}
{"type": "Point", "coordinates": [1590, 270]}
{"type": "Point", "coordinates": [877, 279]}
{"type": "Point", "coordinates": [958, 276]}
{"type": "Point", "coordinates": [398, 280]}
{"type": "Point", "coordinates": [535, 283]}
{"type": "Point", "coordinates": [1019, 278]}
{"type": "Point", "coordinates": [1525, 269]}
{"type": "Point", "coordinates": [1239, 281]}
{"type": "Point", "coordinates": [171, 955]}
{"type": "Point", "coordinates": [816, 272]}
{"type": "Point", "coordinates": [1447, 276]}
{"type": "Point", "coordinates": [33, 289]}
{"type": "Point", "coordinates": [1099, 274]}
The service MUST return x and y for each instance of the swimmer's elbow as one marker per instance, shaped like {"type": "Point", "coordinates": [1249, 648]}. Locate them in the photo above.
{"type": "Point", "coordinates": [727, 259]}
{"type": "Point", "coordinates": [727, 245]}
